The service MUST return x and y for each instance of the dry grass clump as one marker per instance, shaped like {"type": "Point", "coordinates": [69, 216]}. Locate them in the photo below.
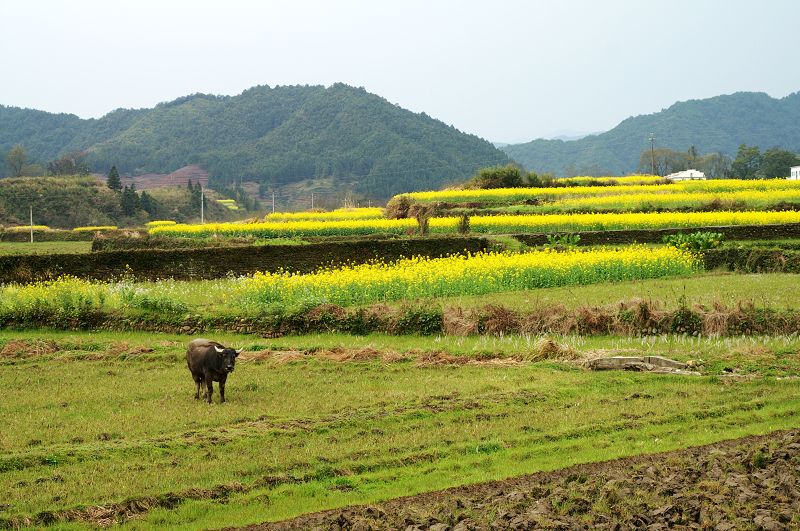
{"type": "Point", "coordinates": [555, 319]}
{"type": "Point", "coordinates": [28, 348]}
{"type": "Point", "coordinates": [460, 322]}
{"type": "Point", "coordinates": [547, 348]}
{"type": "Point", "coordinates": [497, 320]}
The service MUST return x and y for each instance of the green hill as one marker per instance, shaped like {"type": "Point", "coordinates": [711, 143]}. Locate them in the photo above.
{"type": "Point", "coordinates": [273, 136]}
{"type": "Point", "coordinates": [73, 201]}
{"type": "Point", "coordinates": [716, 124]}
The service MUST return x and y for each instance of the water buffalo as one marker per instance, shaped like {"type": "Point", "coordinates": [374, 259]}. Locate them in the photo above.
{"type": "Point", "coordinates": [209, 362]}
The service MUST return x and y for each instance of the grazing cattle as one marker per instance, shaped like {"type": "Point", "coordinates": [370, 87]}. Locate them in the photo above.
{"type": "Point", "coordinates": [209, 362]}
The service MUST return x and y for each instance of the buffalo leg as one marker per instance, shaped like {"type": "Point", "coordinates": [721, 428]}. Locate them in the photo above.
{"type": "Point", "coordinates": [222, 390]}
{"type": "Point", "coordinates": [210, 387]}
{"type": "Point", "coordinates": [197, 383]}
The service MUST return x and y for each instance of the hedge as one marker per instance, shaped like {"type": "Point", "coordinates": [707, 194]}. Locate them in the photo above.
{"type": "Point", "coordinates": [753, 260]}
{"type": "Point", "coordinates": [50, 235]}
{"type": "Point", "coordinates": [626, 318]}
{"type": "Point", "coordinates": [618, 237]}
{"type": "Point", "coordinates": [210, 263]}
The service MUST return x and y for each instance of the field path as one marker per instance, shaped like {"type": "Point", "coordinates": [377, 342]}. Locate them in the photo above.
{"type": "Point", "coordinates": [749, 483]}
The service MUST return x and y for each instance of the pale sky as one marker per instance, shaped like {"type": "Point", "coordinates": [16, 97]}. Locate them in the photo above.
{"type": "Point", "coordinates": [505, 70]}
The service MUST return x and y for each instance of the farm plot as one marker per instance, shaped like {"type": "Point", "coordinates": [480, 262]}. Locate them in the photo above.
{"type": "Point", "coordinates": [338, 214]}
{"type": "Point", "coordinates": [499, 196]}
{"type": "Point", "coordinates": [369, 283]}
{"type": "Point", "coordinates": [510, 224]}
{"type": "Point", "coordinates": [319, 422]}
{"type": "Point", "coordinates": [15, 248]}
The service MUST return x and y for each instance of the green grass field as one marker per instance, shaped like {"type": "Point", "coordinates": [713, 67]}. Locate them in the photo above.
{"type": "Point", "coordinates": [9, 248]}
{"type": "Point", "coordinates": [99, 419]}
{"type": "Point", "coordinates": [776, 290]}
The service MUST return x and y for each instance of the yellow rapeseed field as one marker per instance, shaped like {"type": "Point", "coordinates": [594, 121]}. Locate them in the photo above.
{"type": "Point", "coordinates": [289, 228]}
{"type": "Point", "coordinates": [628, 220]}
{"type": "Point", "coordinates": [340, 214]}
{"type": "Point", "coordinates": [160, 223]}
{"type": "Point", "coordinates": [23, 228]}
{"type": "Point", "coordinates": [751, 199]}
{"type": "Point", "coordinates": [514, 195]}
{"type": "Point", "coordinates": [463, 275]}
{"type": "Point", "coordinates": [520, 224]}
{"type": "Point", "coordinates": [95, 228]}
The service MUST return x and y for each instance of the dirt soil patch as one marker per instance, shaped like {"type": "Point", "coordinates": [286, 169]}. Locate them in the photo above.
{"type": "Point", "coordinates": [28, 348]}
{"type": "Point", "coordinates": [751, 483]}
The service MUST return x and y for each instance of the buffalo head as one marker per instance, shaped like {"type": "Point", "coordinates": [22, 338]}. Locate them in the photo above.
{"type": "Point", "coordinates": [228, 357]}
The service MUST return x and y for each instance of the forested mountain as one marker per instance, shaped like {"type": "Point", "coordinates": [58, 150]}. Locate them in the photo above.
{"type": "Point", "coordinates": [273, 136]}
{"type": "Point", "coordinates": [718, 124]}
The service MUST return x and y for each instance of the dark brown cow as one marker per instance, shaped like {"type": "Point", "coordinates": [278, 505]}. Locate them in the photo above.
{"type": "Point", "coordinates": [209, 362]}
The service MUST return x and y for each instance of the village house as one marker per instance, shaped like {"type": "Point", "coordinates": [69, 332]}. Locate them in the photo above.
{"type": "Point", "coordinates": [794, 173]}
{"type": "Point", "coordinates": [686, 175]}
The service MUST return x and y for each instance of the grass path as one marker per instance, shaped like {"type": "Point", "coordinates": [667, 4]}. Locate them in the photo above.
{"type": "Point", "coordinates": [15, 248]}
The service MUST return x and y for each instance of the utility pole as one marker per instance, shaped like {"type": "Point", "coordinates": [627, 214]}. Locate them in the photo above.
{"type": "Point", "coordinates": [273, 202]}
{"type": "Point", "coordinates": [312, 200]}
{"type": "Point", "coordinates": [31, 223]}
{"type": "Point", "coordinates": [652, 152]}
{"type": "Point", "coordinates": [202, 200]}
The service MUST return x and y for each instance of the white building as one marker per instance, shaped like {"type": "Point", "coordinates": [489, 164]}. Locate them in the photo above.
{"type": "Point", "coordinates": [794, 174]}
{"type": "Point", "coordinates": [686, 175]}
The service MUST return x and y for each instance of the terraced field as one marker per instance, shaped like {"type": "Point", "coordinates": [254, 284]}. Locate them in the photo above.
{"type": "Point", "coordinates": [361, 385]}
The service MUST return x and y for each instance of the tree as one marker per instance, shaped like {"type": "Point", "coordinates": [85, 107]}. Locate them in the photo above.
{"type": "Point", "coordinates": [715, 166]}
{"type": "Point", "coordinates": [113, 180]}
{"type": "Point", "coordinates": [73, 163]}
{"type": "Point", "coordinates": [747, 162]}
{"type": "Point", "coordinates": [666, 161]}
{"type": "Point", "coordinates": [16, 159]}
{"type": "Point", "coordinates": [130, 201]}
{"type": "Point", "coordinates": [692, 158]}
{"type": "Point", "coordinates": [508, 176]}
{"type": "Point", "coordinates": [195, 194]}
{"type": "Point", "coordinates": [777, 163]}
{"type": "Point", "coordinates": [149, 204]}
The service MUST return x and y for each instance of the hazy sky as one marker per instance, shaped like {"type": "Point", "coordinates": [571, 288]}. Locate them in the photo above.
{"type": "Point", "coordinates": [508, 71]}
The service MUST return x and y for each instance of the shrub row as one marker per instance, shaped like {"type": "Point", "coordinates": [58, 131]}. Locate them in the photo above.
{"type": "Point", "coordinates": [629, 318]}
{"type": "Point", "coordinates": [753, 260]}
{"type": "Point", "coordinates": [210, 263]}
{"type": "Point", "coordinates": [141, 240]}
{"type": "Point", "coordinates": [619, 237]}
{"type": "Point", "coordinates": [123, 241]}
{"type": "Point", "coordinates": [49, 235]}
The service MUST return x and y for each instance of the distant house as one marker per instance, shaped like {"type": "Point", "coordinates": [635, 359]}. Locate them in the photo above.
{"type": "Point", "coordinates": [794, 175]}
{"type": "Point", "coordinates": [686, 175]}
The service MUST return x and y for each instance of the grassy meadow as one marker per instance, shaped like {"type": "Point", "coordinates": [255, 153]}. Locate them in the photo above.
{"type": "Point", "coordinates": [16, 248]}
{"type": "Point", "coordinates": [108, 421]}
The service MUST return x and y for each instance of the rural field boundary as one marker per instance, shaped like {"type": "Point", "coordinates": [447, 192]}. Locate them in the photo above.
{"type": "Point", "coordinates": [635, 317]}
{"type": "Point", "coordinates": [49, 235]}
{"type": "Point", "coordinates": [211, 263]}
{"type": "Point", "coordinates": [217, 262]}
{"type": "Point", "coordinates": [730, 232]}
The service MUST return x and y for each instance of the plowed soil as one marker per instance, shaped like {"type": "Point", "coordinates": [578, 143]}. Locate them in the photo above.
{"type": "Point", "coordinates": [750, 483]}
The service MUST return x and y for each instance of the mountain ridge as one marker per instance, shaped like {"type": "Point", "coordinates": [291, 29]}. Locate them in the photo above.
{"type": "Point", "coordinates": [272, 136]}
{"type": "Point", "coordinates": [717, 124]}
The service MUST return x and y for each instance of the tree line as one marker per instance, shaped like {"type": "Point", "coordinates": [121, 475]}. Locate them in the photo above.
{"type": "Point", "coordinates": [19, 165]}
{"type": "Point", "coordinates": [750, 162]}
